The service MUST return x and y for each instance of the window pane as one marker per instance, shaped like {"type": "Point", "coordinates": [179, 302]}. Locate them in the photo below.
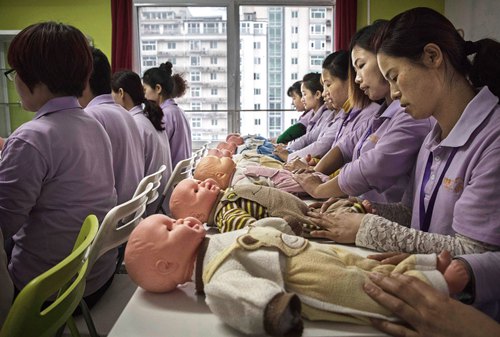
{"type": "Point", "coordinates": [194, 39]}
{"type": "Point", "coordinates": [295, 42]}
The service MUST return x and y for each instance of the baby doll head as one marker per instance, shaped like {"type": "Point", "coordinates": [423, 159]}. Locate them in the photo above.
{"type": "Point", "coordinates": [219, 153]}
{"type": "Point", "coordinates": [219, 169]}
{"type": "Point", "coordinates": [161, 252]}
{"type": "Point", "coordinates": [235, 138]}
{"type": "Point", "coordinates": [231, 147]}
{"type": "Point", "coordinates": [194, 198]}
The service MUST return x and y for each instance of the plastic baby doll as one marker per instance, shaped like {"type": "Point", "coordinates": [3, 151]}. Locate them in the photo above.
{"type": "Point", "coordinates": [238, 206]}
{"type": "Point", "coordinates": [235, 138]}
{"type": "Point", "coordinates": [219, 153]}
{"type": "Point", "coordinates": [261, 279]}
{"type": "Point", "coordinates": [219, 169]}
{"type": "Point", "coordinates": [231, 147]}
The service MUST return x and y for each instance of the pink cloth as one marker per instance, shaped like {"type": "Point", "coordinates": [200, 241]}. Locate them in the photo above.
{"type": "Point", "coordinates": [280, 178]}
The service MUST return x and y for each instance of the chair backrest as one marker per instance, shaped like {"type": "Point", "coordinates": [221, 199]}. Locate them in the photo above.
{"type": "Point", "coordinates": [26, 317]}
{"type": "Point", "coordinates": [183, 170]}
{"type": "Point", "coordinates": [118, 224]}
{"type": "Point", "coordinates": [155, 179]}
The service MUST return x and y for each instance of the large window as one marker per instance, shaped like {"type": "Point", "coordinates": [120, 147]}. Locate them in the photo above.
{"type": "Point", "coordinates": [279, 42]}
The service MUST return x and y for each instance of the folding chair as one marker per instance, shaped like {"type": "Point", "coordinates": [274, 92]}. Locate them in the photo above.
{"type": "Point", "coordinates": [183, 170]}
{"type": "Point", "coordinates": [115, 229]}
{"type": "Point", "coordinates": [26, 317]}
{"type": "Point", "coordinates": [155, 179]}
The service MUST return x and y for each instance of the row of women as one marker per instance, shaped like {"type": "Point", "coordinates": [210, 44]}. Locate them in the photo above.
{"type": "Point", "coordinates": [69, 162]}
{"type": "Point", "coordinates": [416, 143]}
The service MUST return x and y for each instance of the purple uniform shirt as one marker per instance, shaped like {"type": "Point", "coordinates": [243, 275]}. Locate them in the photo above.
{"type": "Point", "coordinates": [156, 149]}
{"type": "Point", "coordinates": [324, 134]}
{"type": "Point", "coordinates": [353, 120]}
{"type": "Point", "coordinates": [55, 170]}
{"type": "Point", "coordinates": [486, 270]}
{"type": "Point", "coordinates": [178, 131]}
{"type": "Point", "coordinates": [126, 144]}
{"type": "Point", "coordinates": [316, 122]}
{"type": "Point", "coordinates": [381, 156]}
{"type": "Point", "coordinates": [306, 117]}
{"type": "Point", "coordinates": [467, 200]}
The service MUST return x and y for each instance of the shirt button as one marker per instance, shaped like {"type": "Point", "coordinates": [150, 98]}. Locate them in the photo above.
{"type": "Point", "coordinates": [437, 158]}
{"type": "Point", "coordinates": [433, 177]}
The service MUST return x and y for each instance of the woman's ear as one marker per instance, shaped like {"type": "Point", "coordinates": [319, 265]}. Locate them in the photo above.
{"type": "Point", "coordinates": [158, 89]}
{"type": "Point", "coordinates": [432, 56]}
{"type": "Point", "coordinates": [318, 94]}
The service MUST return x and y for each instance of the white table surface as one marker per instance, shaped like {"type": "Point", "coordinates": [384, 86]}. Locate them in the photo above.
{"type": "Point", "coordinates": [183, 313]}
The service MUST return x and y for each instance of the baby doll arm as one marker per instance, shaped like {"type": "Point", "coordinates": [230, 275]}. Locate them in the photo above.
{"type": "Point", "coordinates": [253, 305]}
{"type": "Point", "coordinates": [232, 217]}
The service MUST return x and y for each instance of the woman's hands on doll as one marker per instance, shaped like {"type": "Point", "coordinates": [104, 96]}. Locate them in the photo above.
{"type": "Point", "coordinates": [309, 183]}
{"type": "Point", "coordinates": [339, 227]}
{"type": "Point", "coordinates": [296, 164]}
{"type": "Point", "coordinates": [427, 311]}
{"type": "Point", "coordinates": [389, 257]}
{"type": "Point", "coordinates": [281, 152]}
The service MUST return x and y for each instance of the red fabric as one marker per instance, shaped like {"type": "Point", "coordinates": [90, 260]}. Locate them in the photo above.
{"type": "Point", "coordinates": [345, 23]}
{"type": "Point", "coordinates": [121, 49]}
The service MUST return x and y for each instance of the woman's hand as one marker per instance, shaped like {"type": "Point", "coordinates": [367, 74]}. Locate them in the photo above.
{"type": "Point", "coordinates": [309, 182]}
{"type": "Point", "coordinates": [389, 257]}
{"type": "Point", "coordinates": [296, 164]}
{"type": "Point", "coordinates": [339, 227]}
{"type": "Point", "coordinates": [429, 312]}
{"type": "Point", "coordinates": [281, 152]}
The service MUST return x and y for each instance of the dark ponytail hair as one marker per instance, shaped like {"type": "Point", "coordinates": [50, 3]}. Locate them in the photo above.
{"type": "Point", "coordinates": [312, 81]}
{"type": "Point", "coordinates": [294, 88]}
{"type": "Point", "coordinates": [407, 34]}
{"type": "Point", "coordinates": [131, 83]}
{"type": "Point", "coordinates": [364, 38]}
{"type": "Point", "coordinates": [172, 86]}
{"type": "Point", "coordinates": [337, 64]}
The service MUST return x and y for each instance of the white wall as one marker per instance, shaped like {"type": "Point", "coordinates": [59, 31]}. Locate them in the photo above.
{"type": "Point", "coordinates": [478, 18]}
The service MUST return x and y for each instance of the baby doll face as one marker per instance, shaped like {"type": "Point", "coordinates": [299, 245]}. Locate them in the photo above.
{"type": "Point", "coordinates": [234, 138]}
{"type": "Point", "coordinates": [227, 146]}
{"type": "Point", "coordinates": [219, 169]}
{"type": "Point", "coordinates": [194, 198]}
{"type": "Point", "coordinates": [219, 153]}
{"type": "Point", "coordinates": [162, 251]}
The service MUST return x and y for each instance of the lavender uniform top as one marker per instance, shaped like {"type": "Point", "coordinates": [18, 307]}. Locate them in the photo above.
{"type": "Point", "coordinates": [126, 144]}
{"type": "Point", "coordinates": [313, 129]}
{"type": "Point", "coordinates": [156, 149]}
{"type": "Point", "coordinates": [178, 131]}
{"type": "Point", "coordinates": [325, 136]}
{"type": "Point", "coordinates": [486, 273]}
{"type": "Point", "coordinates": [354, 119]}
{"type": "Point", "coordinates": [467, 200]}
{"type": "Point", "coordinates": [381, 155]}
{"type": "Point", "coordinates": [55, 170]}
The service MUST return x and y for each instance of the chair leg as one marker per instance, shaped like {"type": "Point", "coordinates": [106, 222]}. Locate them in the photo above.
{"type": "Point", "coordinates": [160, 209]}
{"type": "Point", "coordinates": [120, 258]}
{"type": "Point", "coordinates": [72, 327]}
{"type": "Point", "coordinates": [88, 319]}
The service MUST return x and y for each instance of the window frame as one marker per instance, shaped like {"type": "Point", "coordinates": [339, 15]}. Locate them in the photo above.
{"type": "Point", "coordinates": [232, 31]}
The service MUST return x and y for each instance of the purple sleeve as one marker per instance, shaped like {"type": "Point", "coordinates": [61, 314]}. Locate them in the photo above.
{"type": "Point", "coordinates": [486, 270]}
{"type": "Point", "coordinates": [22, 172]}
{"type": "Point", "coordinates": [393, 156]}
{"type": "Point", "coordinates": [347, 144]}
{"type": "Point", "coordinates": [319, 147]}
